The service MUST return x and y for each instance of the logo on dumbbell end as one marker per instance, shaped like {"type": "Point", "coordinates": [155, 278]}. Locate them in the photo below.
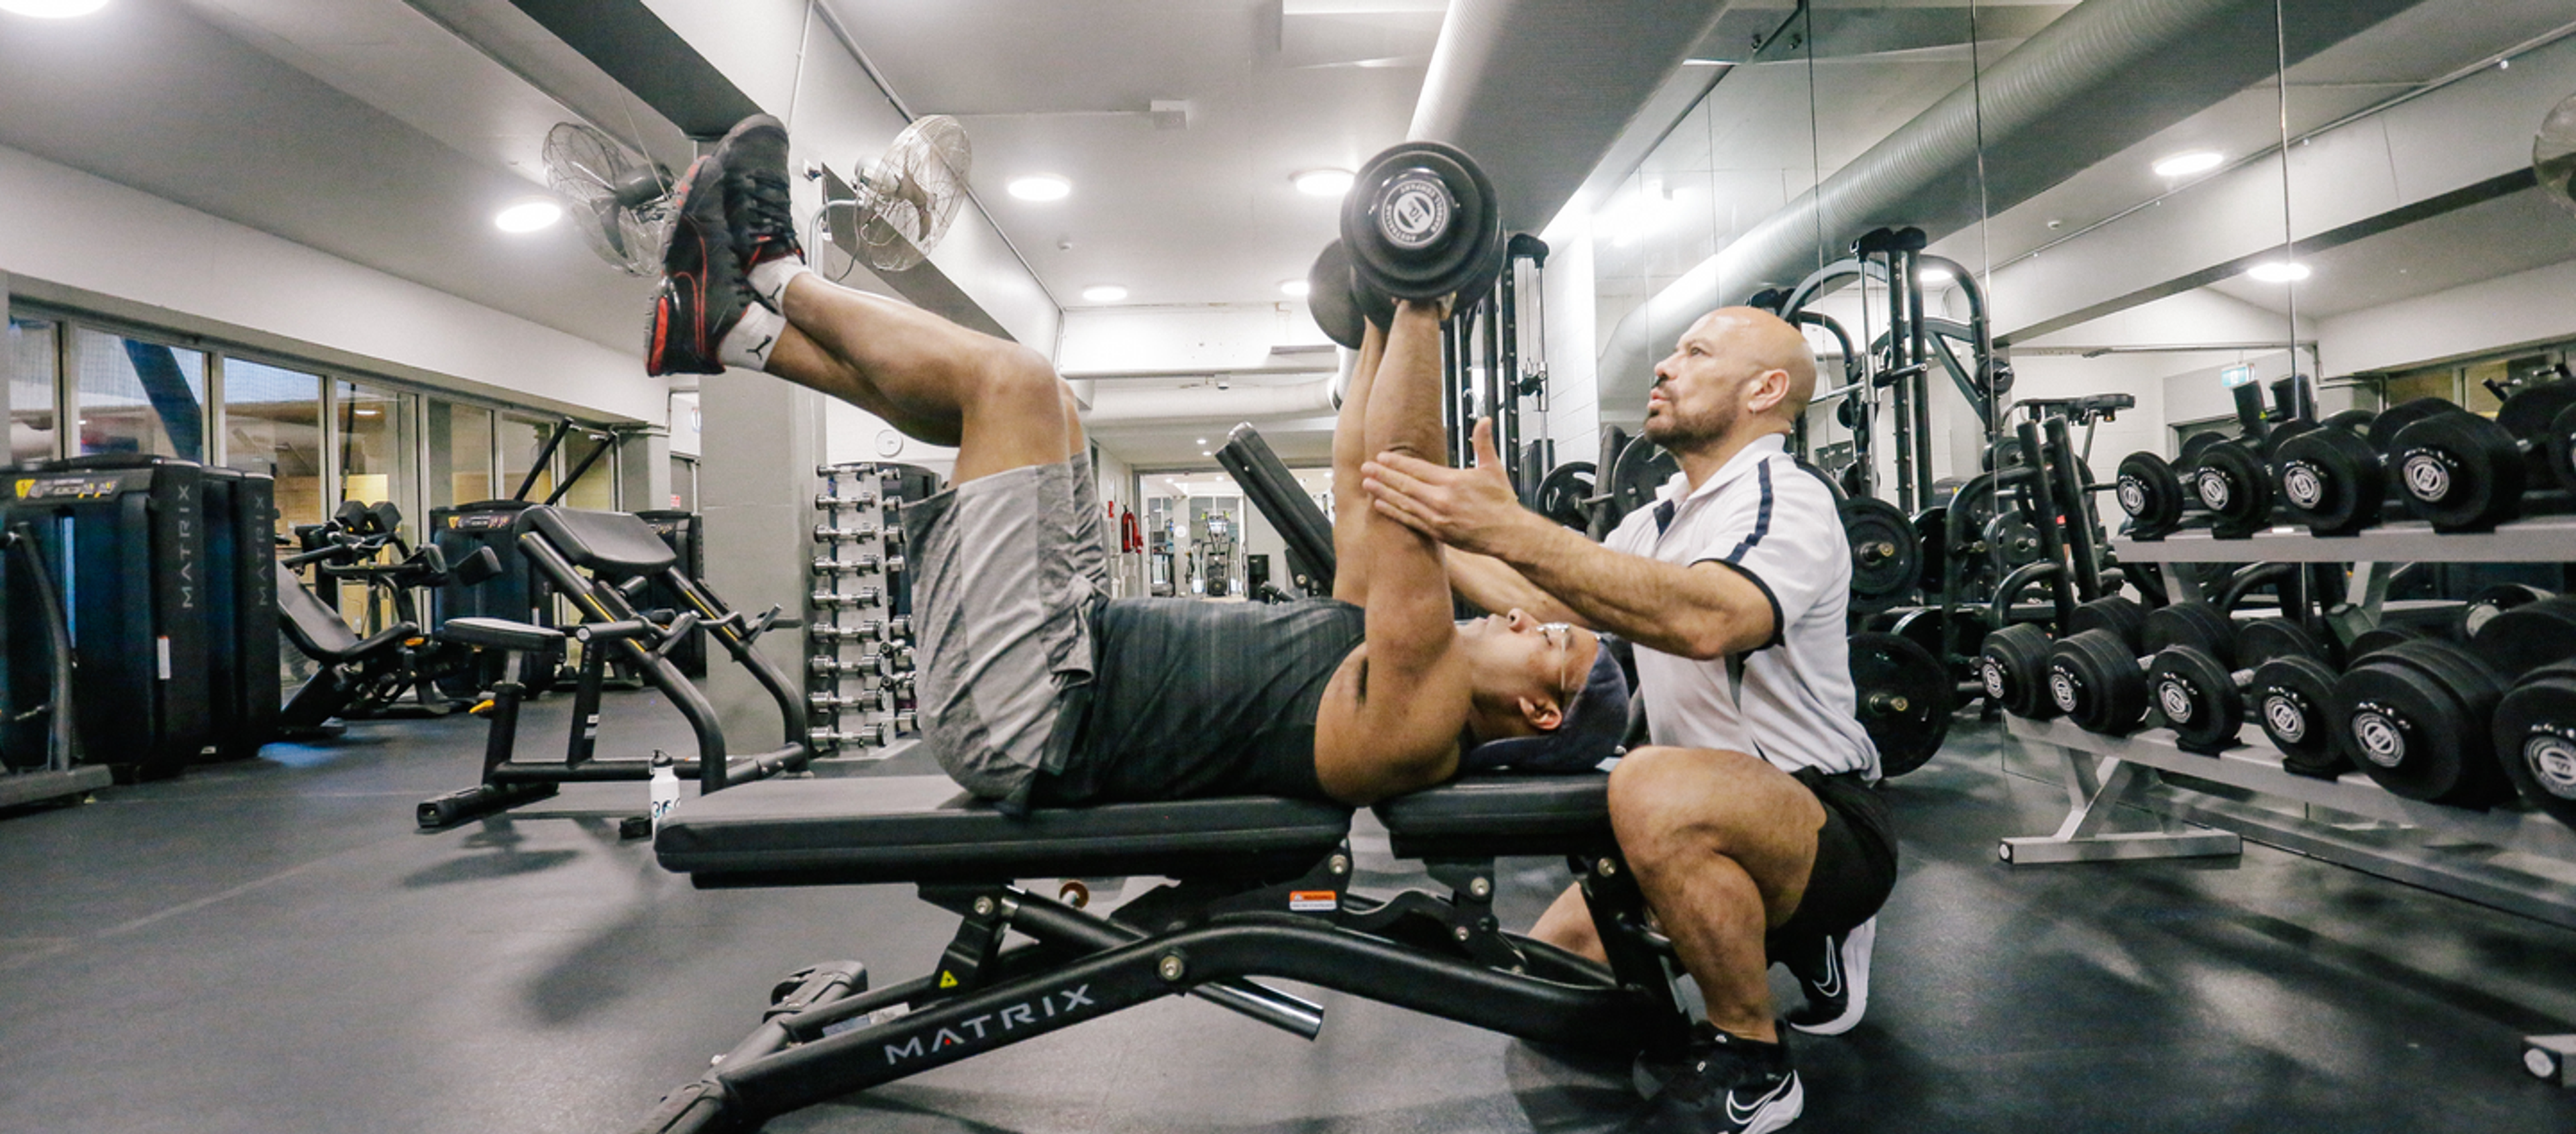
{"type": "Point", "coordinates": [2288, 724]}
{"type": "Point", "coordinates": [2214, 490]}
{"type": "Point", "coordinates": [2302, 485]}
{"type": "Point", "coordinates": [2552, 760]}
{"type": "Point", "coordinates": [2427, 475]}
{"type": "Point", "coordinates": [2133, 496]}
{"type": "Point", "coordinates": [2383, 741]}
{"type": "Point", "coordinates": [1994, 676]}
{"type": "Point", "coordinates": [2063, 689]}
{"type": "Point", "coordinates": [1413, 211]}
{"type": "Point", "coordinates": [2175, 700]}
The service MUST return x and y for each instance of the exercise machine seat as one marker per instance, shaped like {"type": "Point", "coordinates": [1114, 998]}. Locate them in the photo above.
{"type": "Point", "coordinates": [612, 543]}
{"type": "Point", "coordinates": [1489, 816]}
{"type": "Point", "coordinates": [1273, 490]}
{"type": "Point", "coordinates": [863, 829]}
{"type": "Point", "coordinates": [498, 633]}
{"type": "Point", "coordinates": [316, 629]}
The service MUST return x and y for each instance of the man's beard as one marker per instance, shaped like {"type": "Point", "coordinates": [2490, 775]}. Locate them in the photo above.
{"type": "Point", "coordinates": [1672, 430]}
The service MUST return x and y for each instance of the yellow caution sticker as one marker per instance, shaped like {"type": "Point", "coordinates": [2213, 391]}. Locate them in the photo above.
{"type": "Point", "coordinates": [947, 979]}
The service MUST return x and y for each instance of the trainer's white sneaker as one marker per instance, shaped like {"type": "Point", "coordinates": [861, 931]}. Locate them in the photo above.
{"type": "Point", "coordinates": [1836, 981]}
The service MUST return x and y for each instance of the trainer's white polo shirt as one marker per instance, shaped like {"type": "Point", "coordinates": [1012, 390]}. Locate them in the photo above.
{"type": "Point", "coordinates": [1791, 700]}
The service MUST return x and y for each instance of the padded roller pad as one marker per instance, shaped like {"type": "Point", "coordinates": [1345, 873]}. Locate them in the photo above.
{"type": "Point", "coordinates": [498, 633]}
{"type": "Point", "coordinates": [866, 829]}
{"type": "Point", "coordinates": [617, 543]}
{"type": "Point", "coordinates": [1484, 816]}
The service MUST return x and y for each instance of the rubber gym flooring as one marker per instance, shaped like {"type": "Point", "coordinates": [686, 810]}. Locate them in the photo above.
{"type": "Point", "coordinates": [270, 947]}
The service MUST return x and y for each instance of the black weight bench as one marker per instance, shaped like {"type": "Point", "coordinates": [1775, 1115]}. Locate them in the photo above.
{"type": "Point", "coordinates": [1259, 887]}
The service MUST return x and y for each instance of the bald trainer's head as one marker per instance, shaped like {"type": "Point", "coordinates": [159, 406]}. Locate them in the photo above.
{"type": "Point", "coordinates": [1738, 370]}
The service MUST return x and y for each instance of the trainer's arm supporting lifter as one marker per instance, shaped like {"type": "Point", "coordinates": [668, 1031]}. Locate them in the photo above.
{"type": "Point", "coordinates": [1706, 610]}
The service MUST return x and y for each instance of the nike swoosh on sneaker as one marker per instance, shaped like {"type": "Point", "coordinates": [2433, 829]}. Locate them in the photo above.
{"type": "Point", "coordinates": [1743, 1115]}
{"type": "Point", "coordinates": [1831, 984]}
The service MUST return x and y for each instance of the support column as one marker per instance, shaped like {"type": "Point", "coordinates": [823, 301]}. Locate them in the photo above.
{"type": "Point", "coordinates": [762, 439]}
{"type": "Point", "coordinates": [8, 378]}
{"type": "Point", "coordinates": [644, 468]}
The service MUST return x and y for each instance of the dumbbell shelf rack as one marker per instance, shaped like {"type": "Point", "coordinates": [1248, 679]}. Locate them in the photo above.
{"type": "Point", "coordinates": [2511, 858]}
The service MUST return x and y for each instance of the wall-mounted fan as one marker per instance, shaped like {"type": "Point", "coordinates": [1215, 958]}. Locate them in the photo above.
{"type": "Point", "coordinates": [901, 204]}
{"type": "Point", "coordinates": [621, 204]}
{"type": "Point", "coordinates": [2553, 154]}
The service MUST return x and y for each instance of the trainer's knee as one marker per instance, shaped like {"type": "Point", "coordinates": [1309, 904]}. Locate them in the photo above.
{"type": "Point", "coordinates": [1665, 800]}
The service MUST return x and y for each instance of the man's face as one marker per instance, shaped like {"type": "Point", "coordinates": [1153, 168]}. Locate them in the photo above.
{"type": "Point", "coordinates": [1699, 389]}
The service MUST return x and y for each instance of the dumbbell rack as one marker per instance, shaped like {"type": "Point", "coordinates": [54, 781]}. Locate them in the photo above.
{"type": "Point", "coordinates": [2511, 858]}
{"type": "Point", "coordinates": [859, 653]}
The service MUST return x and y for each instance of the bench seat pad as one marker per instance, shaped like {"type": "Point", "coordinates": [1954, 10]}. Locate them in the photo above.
{"type": "Point", "coordinates": [924, 829]}
{"type": "Point", "coordinates": [1483, 816]}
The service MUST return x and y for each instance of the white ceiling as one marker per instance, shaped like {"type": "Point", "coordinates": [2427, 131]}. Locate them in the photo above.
{"type": "Point", "coordinates": [1200, 214]}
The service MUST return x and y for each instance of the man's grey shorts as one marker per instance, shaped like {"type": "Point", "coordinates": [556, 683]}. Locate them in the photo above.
{"type": "Point", "coordinates": [1006, 569]}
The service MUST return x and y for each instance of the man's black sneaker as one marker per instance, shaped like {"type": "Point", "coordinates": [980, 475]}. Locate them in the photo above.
{"type": "Point", "coordinates": [1836, 981]}
{"type": "Point", "coordinates": [1731, 1086]}
{"type": "Point", "coordinates": [704, 292]}
{"type": "Point", "coordinates": [758, 211]}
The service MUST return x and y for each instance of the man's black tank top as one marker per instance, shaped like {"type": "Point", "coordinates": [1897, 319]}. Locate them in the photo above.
{"type": "Point", "coordinates": [1192, 699]}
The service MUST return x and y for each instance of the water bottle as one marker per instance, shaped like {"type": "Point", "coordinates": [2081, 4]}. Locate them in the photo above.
{"type": "Point", "coordinates": [666, 787]}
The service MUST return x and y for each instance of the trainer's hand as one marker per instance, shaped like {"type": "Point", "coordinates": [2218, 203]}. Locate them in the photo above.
{"type": "Point", "coordinates": [1469, 509]}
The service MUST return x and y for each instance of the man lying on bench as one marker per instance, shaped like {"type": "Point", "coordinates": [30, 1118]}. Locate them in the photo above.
{"type": "Point", "coordinates": [1038, 691]}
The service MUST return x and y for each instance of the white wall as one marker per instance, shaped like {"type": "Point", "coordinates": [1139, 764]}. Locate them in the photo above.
{"type": "Point", "coordinates": [1573, 416]}
{"type": "Point", "coordinates": [72, 237]}
{"type": "Point", "coordinates": [2499, 314]}
{"type": "Point", "coordinates": [851, 434]}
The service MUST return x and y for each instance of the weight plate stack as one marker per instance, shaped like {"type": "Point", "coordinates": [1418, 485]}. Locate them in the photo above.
{"type": "Point", "coordinates": [2013, 665]}
{"type": "Point", "coordinates": [1932, 546]}
{"type": "Point", "coordinates": [2459, 472]}
{"type": "Point", "coordinates": [2094, 678]}
{"type": "Point", "coordinates": [2198, 699]}
{"type": "Point", "coordinates": [2535, 736]}
{"type": "Point", "coordinates": [2417, 716]}
{"type": "Point", "coordinates": [1565, 494]}
{"type": "Point", "coordinates": [1331, 296]}
{"type": "Point", "coordinates": [1421, 222]}
{"type": "Point", "coordinates": [2294, 699]}
{"type": "Point", "coordinates": [2562, 448]}
{"type": "Point", "coordinates": [2150, 491]}
{"type": "Point", "coordinates": [2331, 480]}
{"type": "Point", "coordinates": [1884, 565]}
{"type": "Point", "coordinates": [1903, 697]}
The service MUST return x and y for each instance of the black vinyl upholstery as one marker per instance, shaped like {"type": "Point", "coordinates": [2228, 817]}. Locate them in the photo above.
{"type": "Point", "coordinates": [923, 829]}
{"type": "Point", "coordinates": [614, 543]}
{"type": "Point", "coordinates": [1274, 490]}
{"type": "Point", "coordinates": [498, 633]}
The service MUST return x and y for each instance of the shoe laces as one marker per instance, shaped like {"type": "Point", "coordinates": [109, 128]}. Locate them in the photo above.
{"type": "Point", "coordinates": [768, 209]}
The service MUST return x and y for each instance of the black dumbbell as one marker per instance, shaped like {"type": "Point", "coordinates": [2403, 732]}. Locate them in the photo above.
{"type": "Point", "coordinates": [2418, 716]}
{"type": "Point", "coordinates": [1341, 305]}
{"type": "Point", "coordinates": [1422, 222]}
{"type": "Point", "coordinates": [2012, 662]}
{"type": "Point", "coordinates": [2535, 739]}
{"type": "Point", "coordinates": [2203, 696]}
{"type": "Point", "coordinates": [2463, 473]}
{"type": "Point", "coordinates": [2100, 680]}
{"type": "Point", "coordinates": [2332, 478]}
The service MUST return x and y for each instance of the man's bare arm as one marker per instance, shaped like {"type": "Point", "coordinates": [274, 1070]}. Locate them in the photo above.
{"type": "Point", "coordinates": [1351, 520]}
{"type": "Point", "coordinates": [1491, 584]}
{"type": "Point", "coordinates": [1396, 728]}
{"type": "Point", "coordinates": [1705, 610]}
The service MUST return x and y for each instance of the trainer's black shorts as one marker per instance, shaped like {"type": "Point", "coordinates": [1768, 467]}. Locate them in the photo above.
{"type": "Point", "coordinates": [1855, 865]}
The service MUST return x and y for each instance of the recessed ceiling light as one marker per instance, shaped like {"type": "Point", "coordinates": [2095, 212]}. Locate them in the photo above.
{"type": "Point", "coordinates": [52, 9]}
{"type": "Point", "coordinates": [1293, 289]}
{"type": "Point", "coordinates": [1104, 293]}
{"type": "Point", "coordinates": [1040, 187]}
{"type": "Point", "coordinates": [1323, 182]}
{"type": "Point", "coordinates": [1934, 277]}
{"type": "Point", "coordinates": [1200, 441]}
{"type": "Point", "coordinates": [529, 215]}
{"type": "Point", "coordinates": [2189, 162]}
{"type": "Point", "coordinates": [366, 412]}
{"type": "Point", "coordinates": [1704, 63]}
{"type": "Point", "coordinates": [2279, 271]}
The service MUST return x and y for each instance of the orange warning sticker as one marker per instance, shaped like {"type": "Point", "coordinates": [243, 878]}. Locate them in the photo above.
{"type": "Point", "coordinates": [1312, 901]}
